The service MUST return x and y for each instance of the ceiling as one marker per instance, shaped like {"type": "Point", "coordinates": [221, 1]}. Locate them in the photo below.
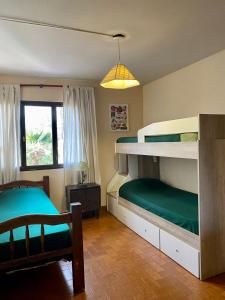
{"type": "Point", "coordinates": [162, 36]}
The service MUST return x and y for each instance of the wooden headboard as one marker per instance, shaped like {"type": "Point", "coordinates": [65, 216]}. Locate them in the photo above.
{"type": "Point", "coordinates": [27, 183]}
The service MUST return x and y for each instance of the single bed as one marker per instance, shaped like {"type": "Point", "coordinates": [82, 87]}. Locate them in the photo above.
{"type": "Point", "coordinates": [33, 232]}
{"type": "Point", "coordinates": [174, 205]}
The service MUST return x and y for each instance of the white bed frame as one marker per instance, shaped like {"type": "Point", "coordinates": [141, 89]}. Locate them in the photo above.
{"type": "Point", "coordinates": [167, 149]}
{"type": "Point", "coordinates": [202, 255]}
{"type": "Point", "coordinates": [169, 127]}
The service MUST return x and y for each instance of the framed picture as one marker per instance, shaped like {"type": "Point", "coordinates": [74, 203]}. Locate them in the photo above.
{"type": "Point", "coordinates": [118, 114]}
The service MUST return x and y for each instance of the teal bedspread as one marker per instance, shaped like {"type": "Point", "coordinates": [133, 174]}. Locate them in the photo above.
{"type": "Point", "coordinates": [163, 138]}
{"type": "Point", "coordinates": [127, 139]}
{"type": "Point", "coordinates": [150, 139]}
{"type": "Point", "coordinates": [18, 202]}
{"type": "Point", "coordinates": [174, 205]}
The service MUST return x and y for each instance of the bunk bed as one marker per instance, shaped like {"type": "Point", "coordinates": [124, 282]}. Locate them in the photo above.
{"type": "Point", "coordinates": [189, 228]}
{"type": "Point", "coordinates": [33, 232]}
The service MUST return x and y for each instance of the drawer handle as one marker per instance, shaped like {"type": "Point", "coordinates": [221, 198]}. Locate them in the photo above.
{"type": "Point", "coordinates": [177, 251]}
{"type": "Point", "coordinates": [145, 230]}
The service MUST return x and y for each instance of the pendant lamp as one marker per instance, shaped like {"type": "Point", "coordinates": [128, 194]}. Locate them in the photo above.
{"type": "Point", "coordinates": [119, 77]}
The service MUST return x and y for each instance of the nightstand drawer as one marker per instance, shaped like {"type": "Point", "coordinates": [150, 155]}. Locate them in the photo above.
{"type": "Point", "coordinates": [93, 199]}
{"type": "Point", "coordinates": [78, 196]}
{"type": "Point", "coordinates": [89, 195]}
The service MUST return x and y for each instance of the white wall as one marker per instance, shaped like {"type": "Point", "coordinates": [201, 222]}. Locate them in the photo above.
{"type": "Point", "coordinates": [106, 138]}
{"type": "Point", "coordinates": [181, 173]}
{"type": "Point", "coordinates": [198, 88]}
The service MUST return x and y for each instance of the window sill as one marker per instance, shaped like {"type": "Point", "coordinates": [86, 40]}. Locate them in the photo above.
{"type": "Point", "coordinates": [36, 168]}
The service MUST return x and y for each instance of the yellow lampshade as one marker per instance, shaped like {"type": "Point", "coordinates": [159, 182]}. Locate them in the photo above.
{"type": "Point", "coordinates": [119, 77]}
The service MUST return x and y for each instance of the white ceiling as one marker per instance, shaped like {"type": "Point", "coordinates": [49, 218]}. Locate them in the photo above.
{"type": "Point", "coordinates": [162, 36]}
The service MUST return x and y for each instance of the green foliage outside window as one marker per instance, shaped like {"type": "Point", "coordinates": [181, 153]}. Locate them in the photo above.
{"type": "Point", "coordinates": [39, 148]}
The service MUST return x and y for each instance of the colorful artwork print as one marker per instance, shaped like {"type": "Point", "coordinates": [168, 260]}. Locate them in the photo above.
{"type": "Point", "coordinates": [118, 117]}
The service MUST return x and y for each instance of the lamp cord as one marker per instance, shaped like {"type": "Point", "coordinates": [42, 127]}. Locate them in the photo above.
{"type": "Point", "coordinates": [118, 43]}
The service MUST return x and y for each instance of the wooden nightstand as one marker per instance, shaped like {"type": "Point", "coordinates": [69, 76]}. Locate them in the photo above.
{"type": "Point", "coordinates": [89, 195]}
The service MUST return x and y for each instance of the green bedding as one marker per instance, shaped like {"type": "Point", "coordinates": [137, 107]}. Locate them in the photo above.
{"type": "Point", "coordinates": [174, 205]}
{"type": "Point", "coordinates": [163, 138]}
{"type": "Point", "coordinates": [18, 202]}
{"type": "Point", "coordinates": [183, 137]}
{"type": "Point", "coordinates": [189, 137]}
{"type": "Point", "coordinates": [127, 139]}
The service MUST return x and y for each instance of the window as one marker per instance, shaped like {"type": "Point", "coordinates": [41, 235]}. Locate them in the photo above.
{"type": "Point", "coordinates": [41, 135]}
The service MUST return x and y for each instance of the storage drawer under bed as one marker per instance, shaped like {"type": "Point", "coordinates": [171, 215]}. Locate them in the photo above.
{"type": "Point", "coordinates": [184, 254]}
{"type": "Point", "coordinates": [112, 204]}
{"type": "Point", "coordinates": [142, 227]}
{"type": "Point", "coordinates": [181, 252]}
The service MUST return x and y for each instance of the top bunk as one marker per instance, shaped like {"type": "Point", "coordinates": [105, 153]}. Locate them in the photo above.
{"type": "Point", "coordinates": [175, 138]}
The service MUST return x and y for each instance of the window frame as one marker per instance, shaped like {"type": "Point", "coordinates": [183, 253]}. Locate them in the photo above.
{"type": "Point", "coordinates": [53, 106]}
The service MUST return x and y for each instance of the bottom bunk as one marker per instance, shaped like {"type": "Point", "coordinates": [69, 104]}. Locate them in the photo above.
{"type": "Point", "coordinates": [174, 205]}
{"type": "Point", "coordinates": [177, 241]}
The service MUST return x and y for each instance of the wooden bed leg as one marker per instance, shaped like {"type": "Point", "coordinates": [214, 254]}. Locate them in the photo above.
{"type": "Point", "coordinates": [46, 185]}
{"type": "Point", "coordinates": [77, 244]}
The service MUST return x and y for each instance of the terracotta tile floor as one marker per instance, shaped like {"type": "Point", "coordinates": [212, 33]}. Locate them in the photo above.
{"type": "Point", "coordinates": [119, 265]}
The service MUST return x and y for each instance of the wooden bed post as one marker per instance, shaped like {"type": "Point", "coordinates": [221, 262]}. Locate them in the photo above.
{"type": "Point", "coordinates": [77, 243]}
{"type": "Point", "coordinates": [46, 185]}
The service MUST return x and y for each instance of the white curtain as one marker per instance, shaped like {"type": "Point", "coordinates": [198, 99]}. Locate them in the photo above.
{"type": "Point", "coordinates": [9, 133]}
{"type": "Point", "coordinates": [80, 134]}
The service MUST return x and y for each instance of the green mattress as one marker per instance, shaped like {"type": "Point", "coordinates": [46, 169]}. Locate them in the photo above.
{"type": "Point", "coordinates": [18, 202]}
{"type": "Point", "coordinates": [174, 205]}
{"type": "Point", "coordinates": [183, 137]}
